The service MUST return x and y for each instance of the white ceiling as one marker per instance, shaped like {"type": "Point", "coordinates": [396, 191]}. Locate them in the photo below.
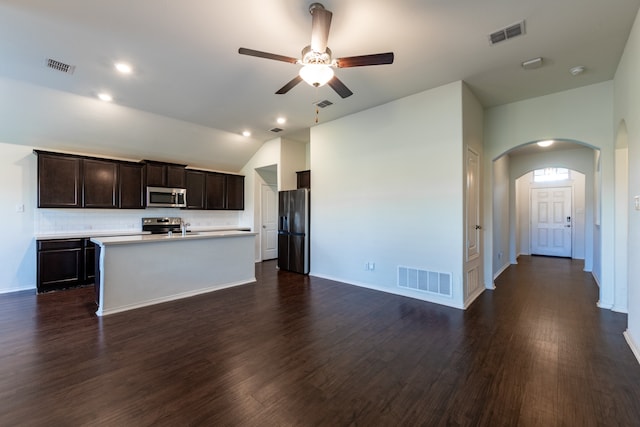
{"type": "Point", "coordinates": [187, 67]}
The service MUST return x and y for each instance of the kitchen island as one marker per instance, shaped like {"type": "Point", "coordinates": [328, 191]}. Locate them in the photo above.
{"type": "Point", "coordinates": [140, 270]}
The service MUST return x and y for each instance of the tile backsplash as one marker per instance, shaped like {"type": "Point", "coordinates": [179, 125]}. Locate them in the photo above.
{"type": "Point", "coordinates": [54, 221]}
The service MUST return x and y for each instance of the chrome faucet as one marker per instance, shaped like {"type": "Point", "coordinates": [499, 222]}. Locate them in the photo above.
{"type": "Point", "coordinates": [183, 227]}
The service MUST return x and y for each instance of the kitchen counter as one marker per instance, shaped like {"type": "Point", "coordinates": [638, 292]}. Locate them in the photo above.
{"type": "Point", "coordinates": [116, 233]}
{"type": "Point", "coordinates": [155, 238]}
{"type": "Point", "coordinates": [138, 270]}
{"type": "Point", "coordinates": [87, 234]}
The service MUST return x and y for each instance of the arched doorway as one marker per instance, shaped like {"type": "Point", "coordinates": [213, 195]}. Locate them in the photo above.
{"type": "Point", "coordinates": [508, 222]}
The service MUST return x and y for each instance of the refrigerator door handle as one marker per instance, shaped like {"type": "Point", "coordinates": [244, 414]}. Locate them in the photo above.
{"type": "Point", "coordinates": [284, 224]}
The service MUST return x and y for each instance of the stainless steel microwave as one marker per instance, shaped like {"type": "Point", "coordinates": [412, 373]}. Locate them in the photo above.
{"type": "Point", "coordinates": [163, 197]}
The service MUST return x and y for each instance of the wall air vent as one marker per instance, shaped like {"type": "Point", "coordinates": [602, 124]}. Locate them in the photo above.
{"type": "Point", "coordinates": [276, 130]}
{"type": "Point", "coordinates": [432, 282]}
{"type": "Point", "coordinates": [59, 66]}
{"type": "Point", "coordinates": [324, 104]}
{"type": "Point", "coordinates": [507, 33]}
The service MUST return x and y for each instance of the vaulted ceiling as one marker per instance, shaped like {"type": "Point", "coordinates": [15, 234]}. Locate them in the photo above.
{"type": "Point", "coordinates": [186, 64]}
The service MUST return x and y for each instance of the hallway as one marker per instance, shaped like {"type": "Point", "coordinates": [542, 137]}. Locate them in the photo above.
{"type": "Point", "coordinates": [298, 351]}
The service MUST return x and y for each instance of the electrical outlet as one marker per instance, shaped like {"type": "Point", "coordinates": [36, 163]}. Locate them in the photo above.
{"type": "Point", "coordinates": [372, 266]}
{"type": "Point", "coordinates": [20, 208]}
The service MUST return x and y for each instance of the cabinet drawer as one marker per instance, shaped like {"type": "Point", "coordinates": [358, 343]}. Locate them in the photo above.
{"type": "Point", "coordinates": [52, 245]}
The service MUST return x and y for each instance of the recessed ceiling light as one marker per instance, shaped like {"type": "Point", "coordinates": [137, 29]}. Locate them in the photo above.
{"type": "Point", "coordinates": [545, 143]}
{"type": "Point", "coordinates": [246, 133]}
{"type": "Point", "coordinates": [281, 120]}
{"type": "Point", "coordinates": [123, 67]}
{"type": "Point", "coordinates": [105, 97]}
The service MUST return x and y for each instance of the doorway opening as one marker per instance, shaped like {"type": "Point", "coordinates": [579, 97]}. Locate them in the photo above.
{"type": "Point", "coordinates": [550, 215]}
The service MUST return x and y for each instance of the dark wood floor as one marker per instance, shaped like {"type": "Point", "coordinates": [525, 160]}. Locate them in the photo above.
{"type": "Point", "coordinates": [299, 351]}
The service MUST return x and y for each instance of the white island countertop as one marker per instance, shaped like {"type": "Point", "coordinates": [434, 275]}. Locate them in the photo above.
{"type": "Point", "coordinates": [149, 238]}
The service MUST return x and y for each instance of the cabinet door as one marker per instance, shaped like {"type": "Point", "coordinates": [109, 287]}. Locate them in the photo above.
{"type": "Point", "coordinates": [59, 183]}
{"type": "Point", "coordinates": [156, 175]}
{"type": "Point", "coordinates": [215, 190]}
{"type": "Point", "coordinates": [131, 186]}
{"type": "Point", "coordinates": [175, 176]}
{"type": "Point", "coordinates": [195, 181]}
{"type": "Point", "coordinates": [89, 261]}
{"type": "Point", "coordinates": [304, 179]}
{"type": "Point", "coordinates": [100, 184]}
{"type": "Point", "coordinates": [60, 264]}
{"type": "Point", "coordinates": [235, 192]}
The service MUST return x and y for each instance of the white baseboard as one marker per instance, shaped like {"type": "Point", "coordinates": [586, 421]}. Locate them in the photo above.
{"type": "Point", "coordinates": [20, 289]}
{"type": "Point", "coordinates": [473, 297]}
{"type": "Point", "coordinates": [619, 309]}
{"type": "Point", "coordinates": [595, 278]}
{"type": "Point", "coordinates": [416, 295]}
{"type": "Point", "coordinates": [499, 272]}
{"type": "Point", "coordinates": [634, 348]}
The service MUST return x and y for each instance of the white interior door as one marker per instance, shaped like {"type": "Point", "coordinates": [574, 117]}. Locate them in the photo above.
{"type": "Point", "coordinates": [473, 228]}
{"type": "Point", "coordinates": [551, 221]}
{"type": "Point", "coordinates": [269, 230]}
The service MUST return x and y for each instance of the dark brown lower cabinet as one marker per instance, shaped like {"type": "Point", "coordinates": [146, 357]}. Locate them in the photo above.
{"type": "Point", "coordinates": [65, 263]}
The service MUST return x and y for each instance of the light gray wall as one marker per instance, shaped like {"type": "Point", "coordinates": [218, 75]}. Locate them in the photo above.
{"type": "Point", "coordinates": [500, 215]}
{"type": "Point", "coordinates": [627, 111]}
{"type": "Point", "coordinates": [387, 188]}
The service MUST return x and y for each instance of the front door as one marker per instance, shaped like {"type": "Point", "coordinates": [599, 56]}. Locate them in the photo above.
{"type": "Point", "coordinates": [551, 221]}
{"type": "Point", "coordinates": [269, 232]}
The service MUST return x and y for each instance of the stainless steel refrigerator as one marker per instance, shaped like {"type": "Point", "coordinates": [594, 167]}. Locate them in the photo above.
{"type": "Point", "coordinates": [293, 230]}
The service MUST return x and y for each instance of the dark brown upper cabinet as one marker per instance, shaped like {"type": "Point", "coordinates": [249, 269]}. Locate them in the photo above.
{"type": "Point", "coordinates": [165, 174]}
{"type": "Point", "coordinates": [195, 181]}
{"type": "Point", "coordinates": [99, 183]}
{"type": "Point", "coordinates": [235, 192]}
{"type": "Point", "coordinates": [216, 190]}
{"type": "Point", "coordinates": [304, 179]}
{"type": "Point", "coordinates": [131, 188]}
{"type": "Point", "coordinates": [71, 181]}
{"type": "Point", "coordinates": [59, 181]}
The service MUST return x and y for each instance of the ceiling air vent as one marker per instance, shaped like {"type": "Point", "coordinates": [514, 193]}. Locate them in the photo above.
{"type": "Point", "coordinates": [324, 104]}
{"type": "Point", "coordinates": [60, 66]}
{"type": "Point", "coordinates": [507, 33]}
{"type": "Point", "coordinates": [276, 130]}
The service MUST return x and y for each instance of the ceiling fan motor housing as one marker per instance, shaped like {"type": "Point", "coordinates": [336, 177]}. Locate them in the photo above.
{"type": "Point", "coordinates": [309, 56]}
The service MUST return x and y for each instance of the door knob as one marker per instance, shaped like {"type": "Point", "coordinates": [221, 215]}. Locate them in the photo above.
{"type": "Point", "coordinates": [264, 226]}
{"type": "Point", "coordinates": [478, 227]}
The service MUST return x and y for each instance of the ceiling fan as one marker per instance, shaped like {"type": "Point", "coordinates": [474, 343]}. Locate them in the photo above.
{"type": "Point", "coordinates": [317, 63]}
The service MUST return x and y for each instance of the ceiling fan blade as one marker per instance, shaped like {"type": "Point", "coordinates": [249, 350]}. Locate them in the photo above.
{"type": "Point", "coordinates": [266, 55]}
{"type": "Point", "coordinates": [320, 25]}
{"type": "Point", "coordinates": [361, 61]}
{"type": "Point", "coordinates": [337, 85]}
{"type": "Point", "coordinates": [286, 88]}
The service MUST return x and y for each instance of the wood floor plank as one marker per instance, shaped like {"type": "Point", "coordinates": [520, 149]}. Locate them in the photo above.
{"type": "Point", "coordinates": [294, 350]}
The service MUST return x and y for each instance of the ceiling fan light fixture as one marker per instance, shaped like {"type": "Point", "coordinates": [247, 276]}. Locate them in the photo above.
{"type": "Point", "coordinates": [546, 143]}
{"type": "Point", "coordinates": [316, 74]}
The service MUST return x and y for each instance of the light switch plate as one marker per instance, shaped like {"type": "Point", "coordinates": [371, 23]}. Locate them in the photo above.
{"type": "Point", "coordinates": [636, 202]}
